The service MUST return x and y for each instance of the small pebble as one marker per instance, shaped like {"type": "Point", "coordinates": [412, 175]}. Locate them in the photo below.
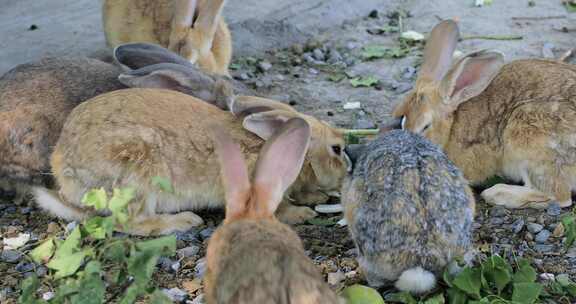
{"type": "Point", "coordinates": [25, 210]}
{"type": "Point", "coordinates": [10, 210]}
{"type": "Point", "coordinates": [70, 226]}
{"type": "Point", "coordinates": [364, 123]}
{"type": "Point", "coordinates": [542, 236]}
{"type": "Point", "coordinates": [543, 248]}
{"type": "Point", "coordinates": [373, 14]}
{"type": "Point", "coordinates": [517, 226]}
{"type": "Point", "coordinates": [176, 294]}
{"type": "Point", "coordinates": [41, 271]}
{"type": "Point", "coordinates": [534, 228]}
{"type": "Point", "coordinates": [571, 252]}
{"type": "Point", "coordinates": [496, 221]}
{"type": "Point", "coordinates": [308, 58]}
{"type": "Point", "coordinates": [207, 233]}
{"type": "Point", "coordinates": [10, 256]}
{"type": "Point", "coordinates": [529, 236]}
{"type": "Point", "coordinates": [200, 268]}
{"type": "Point", "coordinates": [188, 252]}
{"type": "Point", "coordinates": [554, 209]}
{"type": "Point", "coordinates": [297, 49]}
{"type": "Point", "coordinates": [334, 56]}
{"type": "Point", "coordinates": [558, 231]}
{"type": "Point", "coordinates": [318, 55]}
{"type": "Point", "coordinates": [498, 211]}
{"type": "Point", "coordinates": [313, 71]}
{"type": "Point", "coordinates": [174, 267]}
{"type": "Point", "coordinates": [47, 296]}
{"type": "Point", "coordinates": [547, 276]}
{"type": "Point", "coordinates": [166, 264]}
{"type": "Point", "coordinates": [264, 66]}
{"type": "Point", "coordinates": [188, 236]}
{"type": "Point", "coordinates": [334, 278]}
{"type": "Point", "coordinates": [244, 76]}
{"type": "Point", "coordinates": [24, 267]}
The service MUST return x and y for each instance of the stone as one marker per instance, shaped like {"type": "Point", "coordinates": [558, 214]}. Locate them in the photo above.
{"type": "Point", "coordinates": [558, 231]}
{"type": "Point", "coordinates": [547, 276]}
{"type": "Point", "coordinates": [498, 211]}
{"type": "Point", "coordinates": [41, 271]}
{"type": "Point", "coordinates": [264, 66]}
{"type": "Point", "coordinates": [24, 267]}
{"type": "Point", "coordinates": [517, 226]}
{"type": "Point", "coordinates": [308, 58]}
{"type": "Point", "coordinates": [334, 56]}
{"type": "Point", "coordinates": [297, 49]}
{"type": "Point", "coordinates": [334, 278]}
{"type": "Point", "coordinates": [319, 55]}
{"type": "Point", "coordinates": [70, 226]}
{"type": "Point", "coordinates": [364, 123]}
{"type": "Point", "coordinates": [10, 256]}
{"type": "Point", "coordinates": [200, 268]}
{"type": "Point", "coordinates": [542, 248]}
{"type": "Point", "coordinates": [176, 294]}
{"type": "Point", "coordinates": [542, 236]}
{"type": "Point", "coordinates": [554, 209]}
{"type": "Point", "coordinates": [47, 296]}
{"type": "Point", "coordinates": [373, 14]}
{"type": "Point", "coordinates": [534, 228]}
{"type": "Point", "coordinates": [496, 221]}
{"type": "Point", "coordinates": [207, 233]}
{"type": "Point", "coordinates": [188, 252]}
{"type": "Point", "coordinates": [188, 236]}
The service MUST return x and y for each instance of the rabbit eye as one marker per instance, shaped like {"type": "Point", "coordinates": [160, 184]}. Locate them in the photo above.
{"type": "Point", "coordinates": [337, 149]}
{"type": "Point", "coordinates": [426, 127]}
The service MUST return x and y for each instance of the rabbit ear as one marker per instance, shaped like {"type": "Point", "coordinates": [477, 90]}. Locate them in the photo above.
{"type": "Point", "coordinates": [280, 162]}
{"type": "Point", "coordinates": [233, 173]}
{"type": "Point", "coordinates": [168, 76]}
{"type": "Point", "coordinates": [208, 17]}
{"type": "Point", "coordinates": [246, 105]}
{"type": "Point", "coordinates": [470, 76]}
{"type": "Point", "coordinates": [133, 56]}
{"type": "Point", "coordinates": [184, 11]}
{"type": "Point", "coordinates": [439, 49]}
{"type": "Point", "coordinates": [265, 124]}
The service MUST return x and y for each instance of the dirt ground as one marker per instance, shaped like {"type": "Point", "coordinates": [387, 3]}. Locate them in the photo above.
{"type": "Point", "coordinates": [314, 76]}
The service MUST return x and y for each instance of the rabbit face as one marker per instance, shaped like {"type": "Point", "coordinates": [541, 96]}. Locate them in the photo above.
{"type": "Point", "coordinates": [423, 112]}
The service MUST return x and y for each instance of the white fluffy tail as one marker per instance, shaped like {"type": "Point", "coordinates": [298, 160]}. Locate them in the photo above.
{"type": "Point", "coordinates": [416, 280]}
{"type": "Point", "coordinates": [49, 201]}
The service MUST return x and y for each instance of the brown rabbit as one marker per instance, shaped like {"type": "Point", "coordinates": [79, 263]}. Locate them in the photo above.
{"type": "Point", "coordinates": [252, 257]}
{"type": "Point", "coordinates": [516, 120]}
{"type": "Point", "coordinates": [193, 29]}
{"type": "Point", "coordinates": [36, 98]}
{"type": "Point", "coordinates": [127, 137]}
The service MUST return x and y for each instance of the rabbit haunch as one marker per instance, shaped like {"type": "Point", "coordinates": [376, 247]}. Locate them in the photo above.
{"type": "Point", "coordinates": [126, 137]}
{"type": "Point", "coordinates": [515, 120]}
{"type": "Point", "coordinates": [409, 210]}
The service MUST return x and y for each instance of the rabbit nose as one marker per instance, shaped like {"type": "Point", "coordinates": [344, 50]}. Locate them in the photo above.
{"type": "Point", "coordinates": [353, 151]}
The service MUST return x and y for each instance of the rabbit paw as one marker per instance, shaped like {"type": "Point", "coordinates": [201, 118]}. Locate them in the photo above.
{"type": "Point", "coordinates": [295, 214]}
{"type": "Point", "coordinates": [310, 198]}
{"type": "Point", "coordinates": [162, 224]}
{"type": "Point", "coordinates": [514, 197]}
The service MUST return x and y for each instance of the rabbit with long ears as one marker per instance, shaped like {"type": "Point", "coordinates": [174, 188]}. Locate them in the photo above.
{"type": "Point", "coordinates": [36, 98]}
{"type": "Point", "coordinates": [127, 137]}
{"type": "Point", "coordinates": [194, 29]}
{"type": "Point", "coordinates": [515, 120]}
{"type": "Point", "coordinates": [409, 211]}
{"type": "Point", "coordinates": [252, 257]}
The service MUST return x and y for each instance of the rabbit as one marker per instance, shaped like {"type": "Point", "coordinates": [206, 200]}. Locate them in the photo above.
{"type": "Point", "coordinates": [252, 257]}
{"type": "Point", "coordinates": [514, 120]}
{"type": "Point", "coordinates": [127, 137]}
{"type": "Point", "coordinates": [409, 211]}
{"type": "Point", "coordinates": [193, 29]}
{"type": "Point", "coordinates": [36, 98]}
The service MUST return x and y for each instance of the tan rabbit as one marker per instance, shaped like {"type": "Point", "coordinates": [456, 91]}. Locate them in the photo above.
{"type": "Point", "coordinates": [252, 257]}
{"type": "Point", "coordinates": [516, 120]}
{"type": "Point", "coordinates": [193, 29]}
{"type": "Point", "coordinates": [127, 137]}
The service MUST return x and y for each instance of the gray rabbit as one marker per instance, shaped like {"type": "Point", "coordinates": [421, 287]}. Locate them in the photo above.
{"type": "Point", "coordinates": [408, 209]}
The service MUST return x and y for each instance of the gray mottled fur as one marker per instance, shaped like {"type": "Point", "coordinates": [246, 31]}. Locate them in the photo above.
{"type": "Point", "coordinates": [407, 205]}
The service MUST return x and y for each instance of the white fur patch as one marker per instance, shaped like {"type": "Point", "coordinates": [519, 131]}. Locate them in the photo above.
{"type": "Point", "coordinates": [51, 203]}
{"type": "Point", "coordinates": [416, 280]}
{"type": "Point", "coordinates": [403, 123]}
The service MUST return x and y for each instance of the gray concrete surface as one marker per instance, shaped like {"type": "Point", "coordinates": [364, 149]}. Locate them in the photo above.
{"type": "Point", "coordinates": [74, 27]}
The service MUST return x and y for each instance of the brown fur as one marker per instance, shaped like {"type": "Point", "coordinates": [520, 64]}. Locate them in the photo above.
{"type": "Point", "coordinates": [35, 100]}
{"type": "Point", "coordinates": [126, 137]}
{"type": "Point", "coordinates": [521, 127]}
{"type": "Point", "coordinates": [152, 21]}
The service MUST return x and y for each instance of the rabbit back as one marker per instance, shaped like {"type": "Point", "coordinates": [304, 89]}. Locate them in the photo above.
{"type": "Point", "coordinates": [264, 262]}
{"type": "Point", "coordinates": [407, 205]}
{"type": "Point", "coordinates": [127, 137]}
{"type": "Point", "coordinates": [35, 99]}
